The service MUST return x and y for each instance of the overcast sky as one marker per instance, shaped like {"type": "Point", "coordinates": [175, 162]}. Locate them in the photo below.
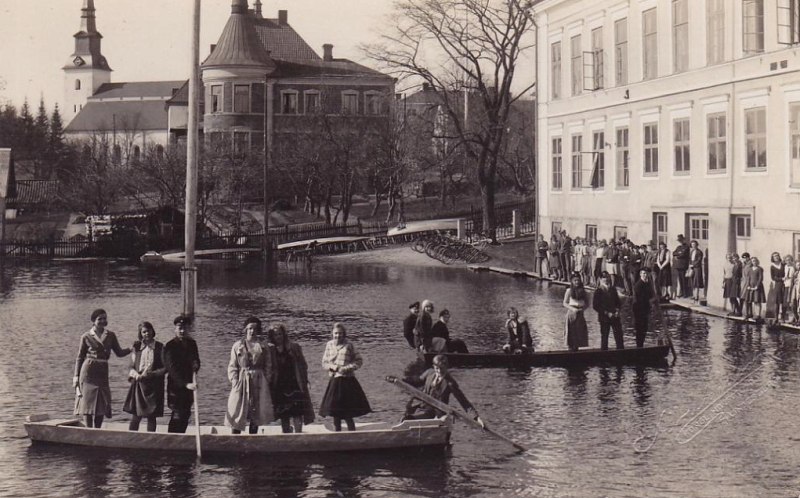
{"type": "Point", "coordinates": [148, 40]}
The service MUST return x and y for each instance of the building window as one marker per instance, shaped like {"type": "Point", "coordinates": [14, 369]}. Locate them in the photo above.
{"type": "Point", "coordinates": [743, 226]}
{"type": "Point", "coordinates": [241, 141]}
{"type": "Point", "coordinates": [555, 70]}
{"type": "Point", "coordinates": [216, 98]}
{"type": "Point", "coordinates": [576, 59]}
{"type": "Point", "coordinates": [557, 164]}
{"type": "Point", "coordinates": [755, 130]}
{"type": "Point", "coordinates": [591, 232]}
{"type": "Point", "coordinates": [620, 233]}
{"type": "Point", "coordinates": [598, 160]}
{"type": "Point", "coordinates": [593, 63]}
{"type": "Point", "coordinates": [621, 51]}
{"type": "Point", "coordinates": [660, 228]}
{"type": "Point", "coordinates": [623, 158]}
{"type": "Point", "coordinates": [312, 102]}
{"type": "Point", "coordinates": [715, 31]}
{"type": "Point", "coordinates": [794, 131]}
{"type": "Point", "coordinates": [289, 102]}
{"type": "Point", "coordinates": [555, 227]}
{"type": "Point", "coordinates": [350, 103]}
{"type": "Point", "coordinates": [753, 26]}
{"type": "Point", "coordinates": [241, 99]}
{"type": "Point", "coordinates": [717, 143]}
{"type": "Point", "coordinates": [650, 42]}
{"type": "Point", "coordinates": [651, 149]}
{"type": "Point", "coordinates": [680, 35]}
{"type": "Point", "coordinates": [372, 105]}
{"type": "Point", "coordinates": [698, 228]}
{"type": "Point", "coordinates": [682, 135]}
{"type": "Point", "coordinates": [788, 22]}
{"type": "Point", "coordinates": [77, 84]}
{"type": "Point", "coordinates": [577, 163]}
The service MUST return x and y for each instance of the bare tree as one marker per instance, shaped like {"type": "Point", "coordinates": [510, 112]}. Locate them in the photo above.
{"type": "Point", "coordinates": [478, 45]}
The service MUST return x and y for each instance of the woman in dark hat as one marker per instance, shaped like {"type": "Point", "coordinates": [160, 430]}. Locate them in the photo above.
{"type": "Point", "coordinates": [344, 399]}
{"type": "Point", "coordinates": [292, 400]}
{"type": "Point", "coordinates": [250, 372]}
{"type": "Point", "coordinates": [146, 394]}
{"type": "Point", "coordinates": [91, 370]}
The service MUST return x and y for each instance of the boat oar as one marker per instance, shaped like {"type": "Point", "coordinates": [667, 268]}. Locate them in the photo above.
{"type": "Point", "coordinates": [665, 328]}
{"type": "Point", "coordinates": [196, 417]}
{"type": "Point", "coordinates": [411, 390]}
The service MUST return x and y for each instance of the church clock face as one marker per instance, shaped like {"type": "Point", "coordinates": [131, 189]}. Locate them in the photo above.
{"type": "Point", "coordinates": [78, 61]}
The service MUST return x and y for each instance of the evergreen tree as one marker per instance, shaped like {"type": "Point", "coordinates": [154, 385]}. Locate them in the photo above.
{"type": "Point", "coordinates": [39, 152]}
{"type": "Point", "coordinates": [8, 126]}
{"type": "Point", "coordinates": [56, 149]}
{"type": "Point", "coordinates": [25, 142]}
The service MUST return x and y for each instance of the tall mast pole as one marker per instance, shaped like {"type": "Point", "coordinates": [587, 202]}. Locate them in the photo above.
{"type": "Point", "coordinates": [189, 271]}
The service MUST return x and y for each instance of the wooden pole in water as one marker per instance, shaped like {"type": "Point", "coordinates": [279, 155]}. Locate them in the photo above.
{"type": "Point", "coordinates": [189, 271]}
{"type": "Point", "coordinates": [196, 417]}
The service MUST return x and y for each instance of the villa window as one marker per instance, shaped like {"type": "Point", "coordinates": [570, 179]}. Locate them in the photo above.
{"type": "Point", "coordinates": [717, 143]}
{"type": "Point", "coordinates": [216, 98]}
{"type": "Point", "coordinates": [241, 99]}
{"type": "Point", "coordinates": [350, 103]}
{"type": "Point", "coordinates": [288, 102]}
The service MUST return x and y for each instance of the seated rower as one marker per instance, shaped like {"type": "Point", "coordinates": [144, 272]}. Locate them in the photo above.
{"type": "Point", "coordinates": [437, 383]}
{"type": "Point", "coordinates": [519, 334]}
{"type": "Point", "coordinates": [441, 342]}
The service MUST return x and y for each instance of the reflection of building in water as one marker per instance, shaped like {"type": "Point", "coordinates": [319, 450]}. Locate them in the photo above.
{"type": "Point", "coordinates": [667, 117]}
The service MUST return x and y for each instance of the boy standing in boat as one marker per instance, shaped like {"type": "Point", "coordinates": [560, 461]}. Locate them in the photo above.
{"type": "Point", "coordinates": [437, 383]}
{"type": "Point", "coordinates": [181, 360]}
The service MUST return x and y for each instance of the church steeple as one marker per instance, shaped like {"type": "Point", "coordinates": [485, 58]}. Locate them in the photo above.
{"type": "Point", "coordinates": [88, 24]}
{"type": "Point", "coordinates": [257, 6]}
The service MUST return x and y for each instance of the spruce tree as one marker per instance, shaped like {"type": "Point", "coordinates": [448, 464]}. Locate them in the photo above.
{"type": "Point", "coordinates": [26, 129]}
{"type": "Point", "coordinates": [41, 130]}
{"type": "Point", "coordinates": [8, 126]}
{"type": "Point", "coordinates": [56, 150]}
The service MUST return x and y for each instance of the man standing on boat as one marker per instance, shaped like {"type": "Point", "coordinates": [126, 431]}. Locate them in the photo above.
{"type": "Point", "coordinates": [607, 304]}
{"type": "Point", "coordinates": [410, 322]}
{"type": "Point", "coordinates": [642, 300]}
{"type": "Point", "coordinates": [181, 360]}
{"type": "Point", "coordinates": [437, 383]}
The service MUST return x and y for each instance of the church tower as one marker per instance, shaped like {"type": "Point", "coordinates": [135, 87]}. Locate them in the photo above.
{"type": "Point", "coordinates": [86, 68]}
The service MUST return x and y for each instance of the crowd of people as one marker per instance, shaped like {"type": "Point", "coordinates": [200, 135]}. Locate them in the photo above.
{"type": "Point", "coordinates": [268, 375]}
{"type": "Point", "coordinates": [744, 287]}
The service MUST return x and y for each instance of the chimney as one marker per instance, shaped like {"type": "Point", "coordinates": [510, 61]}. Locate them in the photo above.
{"type": "Point", "coordinates": [426, 87]}
{"type": "Point", "coordinates": [327, 52]}
{"type": "Point", "coordinates": [283, 17]}
{"type": "Point", "coordinates": [257, 6]}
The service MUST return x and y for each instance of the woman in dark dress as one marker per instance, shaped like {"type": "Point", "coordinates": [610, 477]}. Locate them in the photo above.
{"type": "Point", "coordinates": [344, 399]}
{"type": "Point", "coordinates": [754, 289]}
{"type": "Point", "coordinates": [292, 400]}
{"type": "Point", "coordinates": [663, 271]}
{"type": "Point", "coordinates": [696, 269]}
{"type": "Point", "coordinates": [146, 393]}
{"type": "Point", "coordinates": [777, 288]}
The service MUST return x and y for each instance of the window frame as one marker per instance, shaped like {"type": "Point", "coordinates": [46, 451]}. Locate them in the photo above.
{"type": "Point", "coordinates": [620, 232]}
{"type": "Point", "coordinates": [718, 142]}
{"type": "Point", "coordinates": [623, 153]}
{"type": "Point", "coordinates": [591, 232]}
{"type": "Point", "coordinates": [650, 150]}
{"type": "Point", "coordinates": [788, 18]}
{"type": "Point", "coordinates": [759, 137]}
{"type": "Point", "coordinates": [715, 32]}
{"type": "Point", "coordinates": [557, 164]}
{"type": "Point", "coordinates": [237, 106]}
{"type": "Point", "coordinates": [556, 70]}
{"type": "Point", "coordinates": [235, 135]}
{"type": "Point", "coordinates": [680, 36]}
{"type": "Point", "coordinates": [576, 65]}
{"type": "Point", "coordinates": [217, 99]}
{"type": "Point", "coordinates": [599, 159]}
{"type": "Point", "coordinates": [660, 233]}
{"type": "Point", "coordinates": [576, 162]}
{"type": "Point", "coordinates": [743, 226]}
{"type": "Point", "coordinates": [346, 98]}
{"type": "Point", "coordinates": [681, 142]}
{"type": "Point", "coordinates": [650, 57]}
{"type": "Point", "coordinates": [621, 53]}
{"type": "Point", "coordinates": [368, 96]}
{"type": "Point", "coordinates": [291, 95]}
{"type": "Point", "coordinates": [306, 95]}
{"type": "Point", "coordinates": [794, 143]}
{"type": "Point", "coordinates": [753, 42]}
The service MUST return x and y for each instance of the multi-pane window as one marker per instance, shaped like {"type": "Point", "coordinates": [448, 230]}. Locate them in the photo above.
{"type": "Point", "coordinates": [794, 131]}
{"type": "Point", "coordinates": [753, 26]}
{"type": "Point", "coordinates": [577, 162]}
{"type": "Point", "coordinates": [717, 143]}
{"type": "Point", "coordinates": [289, 103]}
{"type": "Point", "coordinates": [715, 31]}
{"type": "Point", "coordinates": [555, 227]}
{"type": "Point", "coordinates": [743, 226]}
{"type": "Point", "coordinates": [788, 22]}
{"type": "Point", "coordinates": [216, 98]}
{"type": "Point", "coordinates": [591, 232]}
{"type": "Point", "coordinates": [596, 61]}
{"type": "Point", "coordinates": [557, 164]}
{"type": "Point", "coordinates": [680, 35]}
{"type": "Point", "coordinates": [555, 70]}
{"type": "Point", "coordinates": [621, 51]}
{"type": "Point", "coordinates": [372, 104]}
{"type": "Point", "coordinates": [350, 103]}
{"type": "Point", "coordinates": [620, 232]}
{"type": "Point", "coordinates": [698, 228]}
{"type": "Point", "coordinates": [660, 228]}
{"type": "Point", "coordinates": [312, 102]}
{"type": "Point", "coordinates": [576, 65]}
{"type": "Point", "coordinates": [682, 138]}
{"type": "Point", "coordinates": [650, 42]}
{"type": "Point", "coordinates": [623, 158]}
{"type": "Point", "coordinates": [755, 131]}
{"type": "Point", "coordinates": [651, 149]}
{"type": "Point", "coordinates": [598, 160]}
{"type": "Point", "coordinates": [241, 143]}
{"type": "Point", "coordinates": [241, 99]}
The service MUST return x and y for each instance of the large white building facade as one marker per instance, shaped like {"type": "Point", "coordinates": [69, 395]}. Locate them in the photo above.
{"type": "Point", "coordinates": [666, 117]}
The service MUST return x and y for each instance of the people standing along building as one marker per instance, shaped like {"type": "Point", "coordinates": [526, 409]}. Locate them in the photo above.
{"type": "Point", "coordinates": [182, 361]}
{"type": "Point", "coordinates": [664, 271]}
{"type": "Point", "coordinates": [541, 255]}
{"type": "Point", "coordinates": [754, 295]}
{"type": "Point", "coordinates": [680, 257]}
{"type": "Point", "coordinates": [695, 272]}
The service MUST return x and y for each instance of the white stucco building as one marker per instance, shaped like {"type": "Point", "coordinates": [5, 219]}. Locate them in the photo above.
{"type": "Point", "coordinates": [667, 117]}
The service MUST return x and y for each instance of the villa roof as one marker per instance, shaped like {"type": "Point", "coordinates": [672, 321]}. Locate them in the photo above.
{"type": "Point", "coordinates": [239, 45]}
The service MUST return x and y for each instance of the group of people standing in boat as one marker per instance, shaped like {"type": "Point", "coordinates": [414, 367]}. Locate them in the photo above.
{"type": "Point", "coordinates": [423, 332]}
{"type": "Point", "coordinates": [268, 377]}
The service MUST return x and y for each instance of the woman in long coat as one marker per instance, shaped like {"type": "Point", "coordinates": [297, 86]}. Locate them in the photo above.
{"type": "Point", "coordinates": [250, 372]}
{"type": "Point", "coordinates": [91, 370]}
{"type": "Point", "coordinates": [292, 400]}
{"type": "Point", "coordinates": [146, 393]}
{"type": "Point", "coordinates": [576, 332]}
{"type": "Point", "coordinates": [344, 399]}
{"type": "Point", "coordinates": [696, 266]}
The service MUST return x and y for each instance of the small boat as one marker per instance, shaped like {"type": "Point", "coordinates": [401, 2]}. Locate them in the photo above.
{"type": "Point", "coordinates": [649, 355]}
{"type": "Point", "coordinates": [219, 439]}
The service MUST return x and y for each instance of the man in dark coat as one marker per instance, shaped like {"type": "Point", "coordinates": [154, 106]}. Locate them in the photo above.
{"type": "Point", "coordinates": [410, 322]}
{"type": "Point", "coordinates": [642, 300]}
{"type": "Point", "coordinates": [607, 304]}
{"type": "Point", "coordinates": [680, 262]}
{"type": "Point", "coordinates": [181, 360]}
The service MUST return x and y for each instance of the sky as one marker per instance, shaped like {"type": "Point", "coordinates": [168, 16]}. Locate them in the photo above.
{"type": "Point", "coordinates": [149, 40]}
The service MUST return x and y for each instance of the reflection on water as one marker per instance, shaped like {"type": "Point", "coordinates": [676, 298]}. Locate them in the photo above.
{"type": "Point", "coordinates": [582, 424]}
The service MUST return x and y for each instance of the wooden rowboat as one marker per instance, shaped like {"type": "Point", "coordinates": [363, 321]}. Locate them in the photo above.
{"type": "Point", "coordinates": [650, 355]}
{"type": "Point", "coordinates": [218, 439]}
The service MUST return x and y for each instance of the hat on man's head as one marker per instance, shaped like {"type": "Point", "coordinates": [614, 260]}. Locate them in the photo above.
{"type": "Point", "coordinates": [182, 319]}
{"type": "Point", "coordinates": [680, 236]}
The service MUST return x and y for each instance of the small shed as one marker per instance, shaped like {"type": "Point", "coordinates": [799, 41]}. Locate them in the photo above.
{"type": "Point", "coordinates": [8, 185]}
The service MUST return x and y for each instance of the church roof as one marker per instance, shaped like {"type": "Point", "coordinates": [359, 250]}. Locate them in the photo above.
{"type": "Point", "coordinates": [138, 89]}
{"type": "Point", "coordinates": [323, 68]}
{"type": "Point", "coordinates": [122, 115]}
{"type": "Point", "coordinates": [238, 44]}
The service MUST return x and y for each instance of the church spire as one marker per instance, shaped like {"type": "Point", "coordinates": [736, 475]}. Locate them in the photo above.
{"type": "Point", "coordinates": [257, 5]}
{"type": "Point", "coordinates": [88, 23]}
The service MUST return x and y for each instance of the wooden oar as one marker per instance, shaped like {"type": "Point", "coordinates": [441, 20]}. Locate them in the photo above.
{"type": "Point", "coordinates": [665, 327]}
{"type": "Point", "coordinates": [411, 390]}
{"type": "Point", "coordinates": [196, 417]}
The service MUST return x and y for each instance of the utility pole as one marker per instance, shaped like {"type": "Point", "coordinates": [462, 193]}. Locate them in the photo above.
{"type": "Point", "coordinates": [189, 271]}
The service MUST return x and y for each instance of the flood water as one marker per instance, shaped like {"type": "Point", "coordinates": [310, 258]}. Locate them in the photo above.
{"type": "Point", "coordinates": [722, 421]}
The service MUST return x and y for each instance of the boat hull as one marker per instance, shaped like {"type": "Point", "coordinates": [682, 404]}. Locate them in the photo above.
{"type": "Point", "coordinates": [651, 355]}
{"type": "Point", "coordinates": [215, 439]}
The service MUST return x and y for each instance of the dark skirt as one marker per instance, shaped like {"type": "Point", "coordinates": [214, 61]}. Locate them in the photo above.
{"type": "Point", "coordinates": [145, 397]}
{"type": "Point", "coordinates": [730, 288]}
{"type": "Point", "coordinates": [576, 333]}
{"type": "Point", "coordinates": [665, 276]}
{"type": "Point", "coordinates": [697, 278]}
{"type": "Point", "coordinates": [344, 398]}
{"type": "Point", "coordinates": [598, 267]}
{"type": "Point", "coordinates": [755, 295]}
{"type": "Point", "coordinates": [289, 399]}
